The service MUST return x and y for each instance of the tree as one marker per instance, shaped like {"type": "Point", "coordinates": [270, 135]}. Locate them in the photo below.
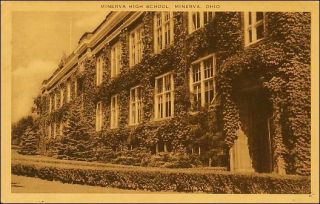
{"type": "Point", "coordinates": [19, 128]}
{"type": "Point", "coordinates": [29, 144]}
{"type": "Point", "coordinates": [75, 143]}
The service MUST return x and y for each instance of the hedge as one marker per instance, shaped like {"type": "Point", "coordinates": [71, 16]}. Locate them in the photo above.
{"type": "Point", "coordinates": [168, 180]}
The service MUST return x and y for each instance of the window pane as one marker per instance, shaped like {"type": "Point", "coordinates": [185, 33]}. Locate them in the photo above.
{"type": "Point", "coordinates": [208, 91]}
{"type": "Point", "coordinates": [250, 36]}
{"type": "Point", "coordinates": [158, 19]}
{"type": "Point", "coordinates": [208, 68]}
{"type": "Point", "coordinates": [168, 105]}
{"type": "Point", "coordinates": [166, 16]}
{"type": "Point", "coordinates": [167, 34]}
{"type": "Point", "coordinates": [197, 96]}
{"type": "Point", "coordinates": [167, 82]}
{"type": "Point", "coordinates": [260, 31]}
{"type": "Point", "coordinates": [159, 39]}
{"type": "Point", "coordinates": [194, 21]}
{"type": "Point", "coordinates": [196, 72]}
{"type": "Point", "coordinates": [159, 85]}
{"type": "Point", "coordinates": [250, 20]}
{"type": "Point", "coordinates": [205, 16]}
{"type": "Point", "coordinates": [198, 20]}
{"type": "Point", "coordinates": [208, 16]}
{"type": "Point", "coordinates": [160, 106]}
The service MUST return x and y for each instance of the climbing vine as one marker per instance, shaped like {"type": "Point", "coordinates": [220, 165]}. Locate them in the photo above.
{"type": "Point", "coordinates": [280, 63]}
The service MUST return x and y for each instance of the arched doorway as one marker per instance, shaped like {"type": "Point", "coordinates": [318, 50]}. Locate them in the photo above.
{"type": "Point", "coordinates": [255, 113]}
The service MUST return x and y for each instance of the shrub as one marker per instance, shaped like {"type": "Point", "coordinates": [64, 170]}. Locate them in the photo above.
{"type": "Point", "coordinates": [168, 180]}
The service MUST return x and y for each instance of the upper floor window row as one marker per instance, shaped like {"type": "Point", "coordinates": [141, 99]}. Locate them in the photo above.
{"type": "Point", "coordinates": [197, 20]}
{"type": "Point", "coordinates": [163, 30]}
{"type": "Point", "coordinates": [57, 100]}
{"type": "Point", "coordinates": [253, 27]}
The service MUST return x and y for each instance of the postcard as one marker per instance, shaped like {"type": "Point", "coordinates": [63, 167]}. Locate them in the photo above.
{"type": "Point", "coordinates": [177, 101]}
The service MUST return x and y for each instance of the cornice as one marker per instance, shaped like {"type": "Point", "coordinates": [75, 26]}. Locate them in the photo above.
{"type": "Point", "coordinates": [92, 40]}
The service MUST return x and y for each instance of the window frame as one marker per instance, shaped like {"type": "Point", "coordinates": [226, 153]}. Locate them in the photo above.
{"type": "Point", "coordinates": [136, 46]}
{"type": "Point", "coordinates": [137, 104]}
{"type": "Point", "coordinates": [75, 87]}
{"type": "Point", "coordinates": [61, 96]}
{"type": "Point", "coordinates": [114, 112]}
{"type": "Point", "coordinates": [158, 116]}
{"type": "Point", "coordinates": [55, 101]}
{"type": "Point", "coordinates": [115, 53]}
{"type": "Point", "coordinates": [50, 104]}
{"type": "Point", "coordinates": [61, 128]}
{"type": "Point", "coordinates": [99, 70]}
{"type": "Point", "coordinates": [159, 46]}
{"type": "Point", "coordinates": [99, 116]}
{"type": "Point", "coordinates": [54, 130]}
{"type": "Point", "coordinates": [253, 27]}
{"type": "Point", "coordinates": [68, 91]}
{"type": "Point", "coordinates": [202, 23]}
{"type": "Point", "coordinates": [49, 131]}
{"type": "Point", "coordinates": [202, 79]}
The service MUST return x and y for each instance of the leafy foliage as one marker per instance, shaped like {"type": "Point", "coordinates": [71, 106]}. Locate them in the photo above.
{"type": "Point", "coordinates": [174, 180]}
{"type": "Point", "coordinates": [18, 129]}
{"type": "Point", "coordinates": [280, 62]}
{"type": "Point", "coordinates": [76, 143]}
{"type": "Point", "coordinates": [29, 143]}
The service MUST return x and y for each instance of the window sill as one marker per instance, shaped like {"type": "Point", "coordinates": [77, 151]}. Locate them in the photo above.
{"type": "Point", "coordinates": [162, 119]}
{"type": "Point", "coordinates": [134, 125]}
{"type": "Point", "coordinates": [164, 49]}
{"type": "Point", "coordinates": [192, 33]}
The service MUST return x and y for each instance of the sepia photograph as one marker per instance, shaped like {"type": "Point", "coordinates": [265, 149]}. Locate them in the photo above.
{"type": "Point", "coordinates": [160, 99]}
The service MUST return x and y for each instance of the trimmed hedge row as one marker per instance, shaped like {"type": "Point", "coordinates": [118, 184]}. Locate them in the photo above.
{"type": "Point", "coordinates": [213, 182]}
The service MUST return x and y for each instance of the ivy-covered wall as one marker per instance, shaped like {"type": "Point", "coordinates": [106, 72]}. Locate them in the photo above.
{"type": "Point", "coordinates": [281, 61]}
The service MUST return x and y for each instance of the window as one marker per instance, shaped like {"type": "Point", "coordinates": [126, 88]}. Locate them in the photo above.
{"type": "Point", "coordinates": [253, 26]}
{"type": "Point", "coordinates": [114, 111]}
{"type": "Point", "coordinates": [164, 98]}
{"type": "Point", "coordinates": [163, 30]}
{"type": "Point", "coordinates": [75, 87]}
{"type": "Point", "coordinates": [61, 129]}
{"type": "Point", "coordinates": [202, 81]}
{"type": "Point", "coordinates": [199, 19]}
{"type": "Point", "coordinates": [54, 130]}
{"type": "Point", "coordinates": [49, 131]}
{"type": "Point", "coordinates": [81, 67]}
{"type": "Point", "coordinates": [55, 101]}
{"type": "Point", "coordinates": [50, 104]}
{"type": "Point", "coordinates": [68, 92]}
{"type": "Point", "coordinates": [136, 46]}
{"type": "Point", "coordinates": [61, 97]}
{"type": "Point", "coordinates": [99, 70]}
{"type": "Point", "coordinates": [115, 59]}
{"type": "Point", "coordinates": [162, 147]}
{"type": "Point", "coordinates": [135, 109]}
{"type": "Point", "coordinates": [99, 116]}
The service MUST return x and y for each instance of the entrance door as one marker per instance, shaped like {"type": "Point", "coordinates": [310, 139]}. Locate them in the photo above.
{"type": "Point", "coordinates": [254, 114]}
